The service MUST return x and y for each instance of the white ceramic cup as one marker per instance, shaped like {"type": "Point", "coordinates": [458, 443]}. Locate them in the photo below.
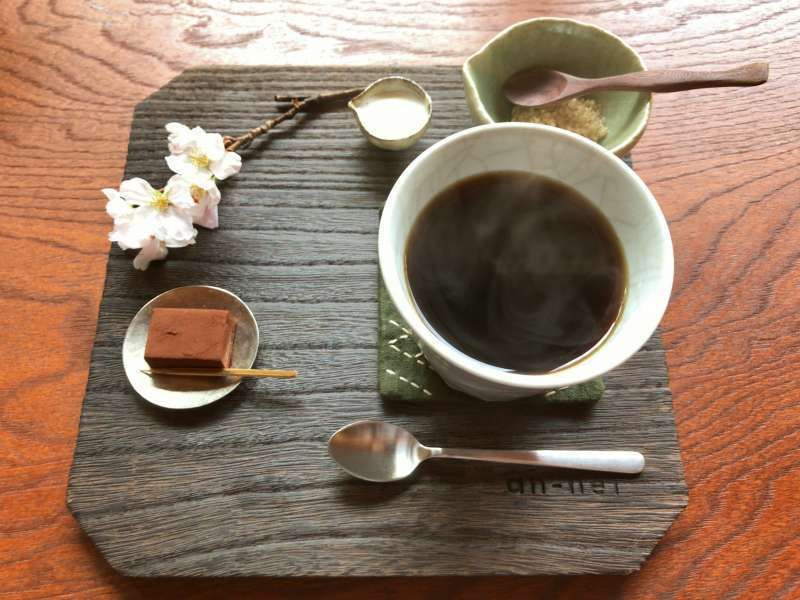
{"type": "Point", "coordinates": [601, 177]}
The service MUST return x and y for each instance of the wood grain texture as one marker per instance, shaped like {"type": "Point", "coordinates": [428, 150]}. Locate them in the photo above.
{"type": "Point", "coordinates": [247, 487]}
{"type": "Point", "coordinates": [722, 163]}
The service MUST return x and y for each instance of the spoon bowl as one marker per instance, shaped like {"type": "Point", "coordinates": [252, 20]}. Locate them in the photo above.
{"type": "Point", "coordinates": [377, 451]}
{"type": "Point", "coordinates": [382, 452]}
{"type": "Point", "coordinates": [536, 87]}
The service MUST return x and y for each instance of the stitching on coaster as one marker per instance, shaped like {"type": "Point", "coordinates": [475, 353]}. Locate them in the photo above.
{"type": "Point", "coordinates": [416, 385]}
{"type": "Point", "coordinates": [416, 357]}
{"type": "Point", "coordinates": [396, 324]}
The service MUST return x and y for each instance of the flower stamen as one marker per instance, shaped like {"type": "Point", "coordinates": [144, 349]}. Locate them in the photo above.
{"type": "Point", "coordinates": [200, 161]}
{"type": "Point", "coordinates": [197, 193]}
{"type": "Point", "coordinates": [160, 201]}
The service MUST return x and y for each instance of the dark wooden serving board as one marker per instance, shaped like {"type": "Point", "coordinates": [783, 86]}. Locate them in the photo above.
{"type": "Point", "coordinates": [245, 486]}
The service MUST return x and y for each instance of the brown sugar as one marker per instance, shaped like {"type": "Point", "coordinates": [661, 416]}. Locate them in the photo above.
{"type": "Point", "coordinates": [581, 115]}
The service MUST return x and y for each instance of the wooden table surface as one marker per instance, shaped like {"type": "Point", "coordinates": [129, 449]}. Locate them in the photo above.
{"type": "Point", "coordinates": [723, 163]}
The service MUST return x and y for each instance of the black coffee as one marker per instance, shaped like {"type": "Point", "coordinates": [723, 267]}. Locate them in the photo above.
{"type": "Point", "coordinates": [516, 270]}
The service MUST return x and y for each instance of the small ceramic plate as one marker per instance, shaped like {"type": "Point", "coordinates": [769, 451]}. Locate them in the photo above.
{"type": "Point", "coordinates": [188, 392]}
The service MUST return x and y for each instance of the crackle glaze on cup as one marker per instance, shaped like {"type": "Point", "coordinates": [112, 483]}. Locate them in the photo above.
{"type": "Point", "coordinates": [601, 177]}
{"type": "Point", "coordinates": [565, 45]}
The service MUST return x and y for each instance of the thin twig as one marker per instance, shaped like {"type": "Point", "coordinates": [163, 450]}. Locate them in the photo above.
{"type": "Point", "coordinates": [298, 104]}
{"type": "Point", "coordinates": [285, 99]}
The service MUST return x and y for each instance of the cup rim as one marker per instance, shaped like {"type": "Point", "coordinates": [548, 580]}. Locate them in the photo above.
{"type": "Point", "coordinates": [482, 371]}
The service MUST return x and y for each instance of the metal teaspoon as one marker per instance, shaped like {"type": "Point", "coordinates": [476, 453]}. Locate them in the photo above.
{"type": "Point", "coordinates": [379, 451]}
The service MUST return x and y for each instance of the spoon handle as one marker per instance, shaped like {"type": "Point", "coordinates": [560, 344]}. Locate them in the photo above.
{"type": "Point", "coordinates": [610, 461]}
{"type": "Point", "coordinates": [677, 80]}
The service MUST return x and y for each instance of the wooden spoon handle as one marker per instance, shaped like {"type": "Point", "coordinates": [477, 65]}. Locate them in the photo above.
{"type": "Point", "coordinates": [677, 81]}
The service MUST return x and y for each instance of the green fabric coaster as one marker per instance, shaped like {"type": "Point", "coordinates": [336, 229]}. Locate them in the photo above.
{"type": "Point", "coordinates": [404, 374]}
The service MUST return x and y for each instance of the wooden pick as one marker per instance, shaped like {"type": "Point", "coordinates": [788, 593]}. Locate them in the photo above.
{"type": "Point", "coordinates": [279, 373]}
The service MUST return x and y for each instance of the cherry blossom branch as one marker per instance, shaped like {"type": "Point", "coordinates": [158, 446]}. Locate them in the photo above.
{"type": "Point", "coordinates": [153, 220]}
{"type": "Point", "coordinates": [299, 103]}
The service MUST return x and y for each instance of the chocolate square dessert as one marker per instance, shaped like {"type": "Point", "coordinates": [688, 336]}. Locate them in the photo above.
{"type": "Point", "coordinates": [190, 338]}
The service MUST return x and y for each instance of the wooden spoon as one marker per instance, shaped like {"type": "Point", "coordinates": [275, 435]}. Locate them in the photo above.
{"type": "Point", "coordinates": [540, 87]}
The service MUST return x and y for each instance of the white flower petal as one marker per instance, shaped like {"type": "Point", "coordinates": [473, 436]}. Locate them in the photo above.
{"type": "Point", "coordinates": [183, 165]}
{"type": "Point", "coordinates": [179, 138]}
{"type": "Point", "coordinates": [152, 250]}
{"type": "Point", "coordinates": [228, 165]}
{"type": "Point", "coordinates": [209, 218]}
{"type": "Point", "coordinates": [136, 190]}
{"type": "Point", "coordinates": [213, 194]}
{"type": "Point", "coordinates": [116, 207]}
{"type": "Point", "coordinates": [111, 194]}
{"type": "Point", "coordinates": [127, 235]}
{"type": "Point", "coordinates": [182, 203]}
{"type": "Point", "coordinates": [211, 146]}
{"type": "Point", "coordinates": [206, 184]}
{"type": "Point", "coordinates": [178, 163]}
{"type": "Point", "coordinates": [120, 235]}
{"type": "Point", "coordinates": [176, 128]}
{"type": "Point", "coordinates": [176, 184]}
{"type": "Point", "coordinates": [142, 226]}
{"type": "Point", "coordinates": [179, 192]}
{"type": "Point", "coordinates": [175, 228]}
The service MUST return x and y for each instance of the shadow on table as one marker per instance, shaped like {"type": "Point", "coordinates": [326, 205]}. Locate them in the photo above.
{"type": "Point", "coordinates": [586, 587]}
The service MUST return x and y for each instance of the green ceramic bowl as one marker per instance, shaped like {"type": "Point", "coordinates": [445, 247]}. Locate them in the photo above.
{"type": "Point", "coordinates": [565, 45]}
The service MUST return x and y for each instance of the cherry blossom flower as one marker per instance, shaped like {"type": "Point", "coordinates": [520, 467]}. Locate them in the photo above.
{"type": "Point", "coordinates": [154, 220]}
{"type": "Point", "coordinates": [151, 220]}
{"type": "Point", "coordinates": [200, 157]}
{"type": "Point", "coordinates": [205, 201]}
